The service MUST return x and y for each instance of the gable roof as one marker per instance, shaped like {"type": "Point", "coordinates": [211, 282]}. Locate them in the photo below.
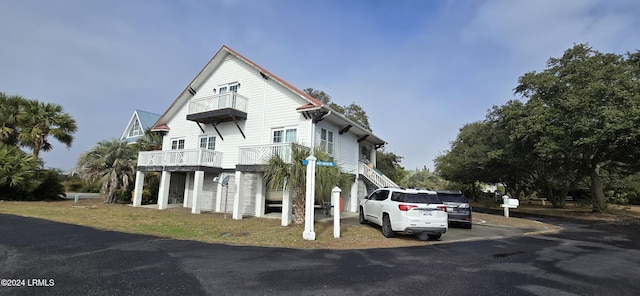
{"type": "Point", "coordinates": [145, 121]}
{"type": "Point", "coordinates": [218, 58]}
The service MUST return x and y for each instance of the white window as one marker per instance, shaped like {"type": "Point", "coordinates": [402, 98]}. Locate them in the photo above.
{"type": "Point", "coordinates": [326, 140]}
{"type": "Point", "coordinates": [177, 144]}
{"type": "Point", "coordinates": [208, 142]}
{"type": "Point", "coordinates": [135, 130]}
{"type": "Point", "coordinates": [285, 135]}
{"type": "Point", "coordinates": [234, 87]}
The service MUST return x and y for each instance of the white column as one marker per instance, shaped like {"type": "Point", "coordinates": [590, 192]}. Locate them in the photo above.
{"type": "Point", "coordinates": [354, 196]}
{"type": "Point", "coordinates": [373, 156]}
{"type": "Point", "coordinates": [287, 205]}
{"type": "Point", "coordinates": [260, 194]}
{"type": "Point", "coordinates": [335, 201]}
{"type": "Point", "coordinates": [308, 233]}
{"type": "Point", "coordinates": [188, 183]}
{"type": "Point", "coordinates": [137, 191]}
{"type": "Point", "coordinates": [163, 192]}
{"type": "Point", "coordinates": [219, 195]}
{"type": "Point", "coordinates": [197, 192]}
{"type": "Point", "coordinates": [237, 199]}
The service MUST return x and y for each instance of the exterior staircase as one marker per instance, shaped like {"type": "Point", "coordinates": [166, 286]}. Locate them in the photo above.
{"type": "Point", "coordinates": [374, 177]}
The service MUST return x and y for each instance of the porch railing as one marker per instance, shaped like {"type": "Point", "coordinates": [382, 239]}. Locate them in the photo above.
{"type": "Point", "coordinates": [375, 177]}
{"type": "Point", "coordinates": [183, 157]}
{"type": "Point", "coordinates": [220, 101]}
{"type": "Point", "coordinates": [260, 154]}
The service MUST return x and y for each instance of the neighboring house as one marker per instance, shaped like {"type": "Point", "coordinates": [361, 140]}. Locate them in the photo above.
{"type": "Point", "coordinates": [229, 121]}
{"type": "Point", "coordinates": [140, 121]}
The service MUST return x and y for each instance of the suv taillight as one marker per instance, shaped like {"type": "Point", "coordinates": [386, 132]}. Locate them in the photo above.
{"type": "Point", "coordinates": [406, 207]}
{"type": "Point", "coordinates": [444, 208]}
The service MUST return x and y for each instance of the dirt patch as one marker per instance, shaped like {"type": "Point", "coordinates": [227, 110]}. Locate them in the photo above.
{"type": "Point", "coordinates": [497, 220]}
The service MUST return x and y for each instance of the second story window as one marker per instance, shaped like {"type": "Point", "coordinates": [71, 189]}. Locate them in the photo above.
{"type": "Point", "coordinates": [177, 144]}
{"type": "Point", "coordinates": [326, 140]}
{"type": "Point", "coordinates": [283, 135]}
{"type": "Point", "coordinates": [208, 142]}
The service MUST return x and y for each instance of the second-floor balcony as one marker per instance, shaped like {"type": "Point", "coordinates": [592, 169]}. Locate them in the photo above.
{"type": "Point", "coordinates": [218, 108]}
{"type": "Point", "coordinates": [260, 154]}
{"type": "Point", "coordinates": [180, 158]}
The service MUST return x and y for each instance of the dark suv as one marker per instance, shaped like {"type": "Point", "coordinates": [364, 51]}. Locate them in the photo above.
{"type": "Point", "coordinates": [458, 207]}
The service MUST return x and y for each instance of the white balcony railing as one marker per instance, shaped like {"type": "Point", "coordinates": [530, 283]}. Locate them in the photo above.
{"type": "Point", "coordinates": [378, 179]}
{"type": "Point", "coordinates": [191, 157]}
{"type": "Point", "coordinates": [220, 101]}
{"type": "Point", "coordinates": [260, 154]}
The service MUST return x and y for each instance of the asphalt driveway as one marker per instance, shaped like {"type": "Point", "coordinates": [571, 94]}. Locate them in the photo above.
{"type": "Point", "coordinates": [584, 259]}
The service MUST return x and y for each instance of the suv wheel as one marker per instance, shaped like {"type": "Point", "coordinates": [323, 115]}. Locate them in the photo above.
{"type": "Point", "coordinates": [434, 236]}
{"type": "Point", "coordinates": [361, 217]}
{"type": "Point", "coordinates": [386, 227]}
{"type": "Point", "coordinates": [468, 226]}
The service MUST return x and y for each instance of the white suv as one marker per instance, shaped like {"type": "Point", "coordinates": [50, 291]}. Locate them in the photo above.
{"type": "Point", "coordinates": [410, 211]}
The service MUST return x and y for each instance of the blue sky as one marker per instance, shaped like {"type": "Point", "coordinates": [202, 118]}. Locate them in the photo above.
{"type": "Point", "coordinates": [420, 69]}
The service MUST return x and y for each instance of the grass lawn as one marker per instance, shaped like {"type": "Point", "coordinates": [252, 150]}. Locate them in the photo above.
{"type": "Point", "coordinates": [571, 210]}
{"type": "Point", "coordinates": [179, 223]}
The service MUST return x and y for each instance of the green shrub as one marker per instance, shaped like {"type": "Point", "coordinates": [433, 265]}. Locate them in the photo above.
{"type": "Point", "coordinates": [123, 196]}
{"type": "Point", "coordinates": [50, 187]}
{"type": "Point", "coordinates": [74, 185]}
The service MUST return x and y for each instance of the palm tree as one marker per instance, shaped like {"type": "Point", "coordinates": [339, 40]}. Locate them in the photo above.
{"type": "Point", "coordinates": [22, 173]}
{"type": "Point", "coordinates": [10, 107]}
{"type": "Point", "coordinates": [150, 142]}
{"type": "Point", "coordinates": [281, 174]}
{"type": "Point", "coordinates": [112, 164]}
{"type": "Point", "coordinates": [39, 120]}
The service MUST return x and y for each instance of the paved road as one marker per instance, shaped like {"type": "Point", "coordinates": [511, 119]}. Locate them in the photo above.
{"type": "Point", "coordinates": [584, 259]}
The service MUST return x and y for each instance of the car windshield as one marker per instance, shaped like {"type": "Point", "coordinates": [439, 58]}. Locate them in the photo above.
{"type": "Point", "coordinates": [425, 198]}
{"type": "Point", "coordinates": [452, 198]}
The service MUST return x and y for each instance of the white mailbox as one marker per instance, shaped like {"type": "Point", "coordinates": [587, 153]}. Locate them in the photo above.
{"type": "Point", "coordinates": [509, 203]}
{"type": "Point", "coordinates": [512, 203]}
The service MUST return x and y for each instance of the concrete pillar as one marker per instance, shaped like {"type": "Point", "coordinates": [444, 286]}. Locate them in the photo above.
{"type": "Point", "coordinates": [308, 233]}
{"type": "Point", "coordinates": [163, 193]}
{"type": "Point", "coordinates": [237, 199]}
{"type": "Point", "coordinates": [287, 205]}
{"type": "Point", "coordinates": [260, 195]}
{"type": "Point", "coordinates": [137, 191]}
{"type": "Point", "coordinates": [198, 180]}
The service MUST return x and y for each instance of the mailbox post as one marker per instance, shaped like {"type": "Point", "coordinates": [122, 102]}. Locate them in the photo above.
{"type": "Point", "coordinates": [509, 203]}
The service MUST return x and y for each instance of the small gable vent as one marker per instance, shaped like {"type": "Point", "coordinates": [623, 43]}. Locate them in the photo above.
{"type": "Point", "coordinates": [192, 91]}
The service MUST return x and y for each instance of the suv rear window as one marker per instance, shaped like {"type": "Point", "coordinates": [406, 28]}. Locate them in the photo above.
{"type": "Point", "coordinates": [452, 198]}
{"type": "Point", "coordinates": [424, 198]}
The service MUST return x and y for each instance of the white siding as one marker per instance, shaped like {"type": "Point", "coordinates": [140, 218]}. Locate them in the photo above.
{"type": "Point", "coordinates": [345, 146]}
{"type": "Point", "coordinates": [269, 106]}
{"type": "Point", "coordinates": [349, 153]}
